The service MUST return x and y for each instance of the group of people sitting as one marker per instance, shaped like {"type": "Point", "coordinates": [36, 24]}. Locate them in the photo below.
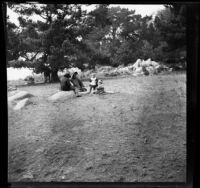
{"type": "Point", "coordinates": [74, 83]}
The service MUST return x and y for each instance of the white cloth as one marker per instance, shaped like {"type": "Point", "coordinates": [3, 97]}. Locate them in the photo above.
{"type": "Point", "coordinates": [93, 81]}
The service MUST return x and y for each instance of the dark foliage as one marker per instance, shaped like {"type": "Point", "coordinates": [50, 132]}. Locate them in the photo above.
{"type": "Point", "coordinates": [67, 36]}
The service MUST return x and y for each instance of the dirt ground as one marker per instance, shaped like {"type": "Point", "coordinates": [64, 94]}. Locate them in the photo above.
{"type": "Point", "coordinates": [137, 134]}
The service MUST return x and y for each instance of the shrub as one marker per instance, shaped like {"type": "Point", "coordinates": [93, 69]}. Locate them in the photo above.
{"type": "Point", "coordinates": [29, 80]}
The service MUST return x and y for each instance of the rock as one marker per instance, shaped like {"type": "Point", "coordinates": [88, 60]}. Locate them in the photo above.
{"type": "Point", "coordinates": [151, 70]}
{"type": "Point", "coordinates": [19, 95]}
{"type": "Point", "coordinates": [27, 176]}
{"type": "Point", "coordinates": [22, 103]}
{"type": "Point", "coordinates": [112, 73]}
{"type": "Point", "coordinates": [104, 68]}
{"type": "Point", "coordinates": [139, 70]}
{"type": "Point", "coordinates": [12, 88]}
{"type": "Point", "coordinates": [155, 64]}
{"type": "Point", "coordinates": [124, 70]}
{"type": "Point", "coordinates": [61, 94]}
{"type": "Point", "coordinates": [137, 63]}
{"type": "Point", "coordinates": [146, 63]}
{"type": "Point", "coordinates": [40, 150]}
{"type": "Point", "coordinates": [114, 106]}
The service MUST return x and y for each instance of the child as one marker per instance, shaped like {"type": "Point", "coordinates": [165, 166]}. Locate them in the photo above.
{"type": "Point", "coordinates": [93, 83]}
{"type": "Point", "coordinates": [100, 88]}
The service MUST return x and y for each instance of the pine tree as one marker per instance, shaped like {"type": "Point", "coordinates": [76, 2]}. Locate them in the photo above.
{"type": "Point", "coordinates": [50, 37]}
{"type": "Point", "coordinates": [171, 24]}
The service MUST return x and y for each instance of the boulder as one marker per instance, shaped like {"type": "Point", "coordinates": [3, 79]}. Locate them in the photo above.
{"type": "Point", "coordinates": [146, 63]}
{"type": "Point", "coordinates": [131, 68]}
{"type": "Point", "coordinates": [27, 177]}
{"type": "Point", "coordinates": [137, 64]}
{"type": "Point", "coordinates": [138, 72]}
{"type": "Point", "coordinates": [61, 95]}
{"type": "Point", "coordinates": [22, 103]}
{"type": "Point", "coordinates": [124, 69]}
{"type": "Point", "coordinates": [151, 70]}
{"type": "Point", "coordinates": [19, 95]}
{"type": "Point", "coordinates": [104, 68]}
{"type": "Point", "coordinates": [113, 73]}
{"type": "Point", "coordinates": [155, 64]}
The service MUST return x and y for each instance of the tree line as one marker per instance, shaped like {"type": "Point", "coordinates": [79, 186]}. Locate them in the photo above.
{"type": "Point", "coordinates": [68, 36]}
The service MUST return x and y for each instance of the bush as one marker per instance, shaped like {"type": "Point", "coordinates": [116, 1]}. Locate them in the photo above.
{"type": "Point", "coordinates": [29, 80]}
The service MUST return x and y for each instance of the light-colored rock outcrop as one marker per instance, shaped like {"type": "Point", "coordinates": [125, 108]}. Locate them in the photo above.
{"type": "Point", "coordinates": [19, 95]}
{"type": "Point", "coordinates": [21, 104]}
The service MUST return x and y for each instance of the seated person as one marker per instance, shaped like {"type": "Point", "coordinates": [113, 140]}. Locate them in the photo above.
{"type": "Point", "coordinates": [93, 83]}
{"type": "Point", "coordinates": [65, 84]}
{"type": "Point", "coordinates": [100, 88]}
{"type": "Point", "coordinates": [77, 83]}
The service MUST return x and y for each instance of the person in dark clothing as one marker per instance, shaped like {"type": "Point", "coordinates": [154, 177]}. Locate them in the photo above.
{"type": "Point", "coordinates": [77, 83]}
{"type": "Point", "coordinates": [47, 74]}
{"type": "Point", "coordinates": [65, 84]}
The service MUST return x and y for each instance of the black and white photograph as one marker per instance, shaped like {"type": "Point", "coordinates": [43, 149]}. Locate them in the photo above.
{"type": "Point", "coordinates": [96, 92]}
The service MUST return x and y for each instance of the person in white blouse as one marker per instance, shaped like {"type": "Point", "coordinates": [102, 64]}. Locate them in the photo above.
{"type": "Point", "coordinates": [93, 83]}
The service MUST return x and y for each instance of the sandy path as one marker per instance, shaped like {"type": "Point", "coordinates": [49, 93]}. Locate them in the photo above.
{"type": "Point", "coordinates": [137, 134]}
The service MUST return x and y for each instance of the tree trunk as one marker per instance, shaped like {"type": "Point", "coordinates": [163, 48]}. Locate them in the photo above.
{"type": "Point", "coordinates": [54, 76]}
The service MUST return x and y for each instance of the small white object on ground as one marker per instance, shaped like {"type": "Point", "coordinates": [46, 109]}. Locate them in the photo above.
{"type": "Point", "coordinates": [22, 103]}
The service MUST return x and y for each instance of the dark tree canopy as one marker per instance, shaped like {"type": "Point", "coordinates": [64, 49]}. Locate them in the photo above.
{"type": "Point", "coordinates": [67, 36]}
